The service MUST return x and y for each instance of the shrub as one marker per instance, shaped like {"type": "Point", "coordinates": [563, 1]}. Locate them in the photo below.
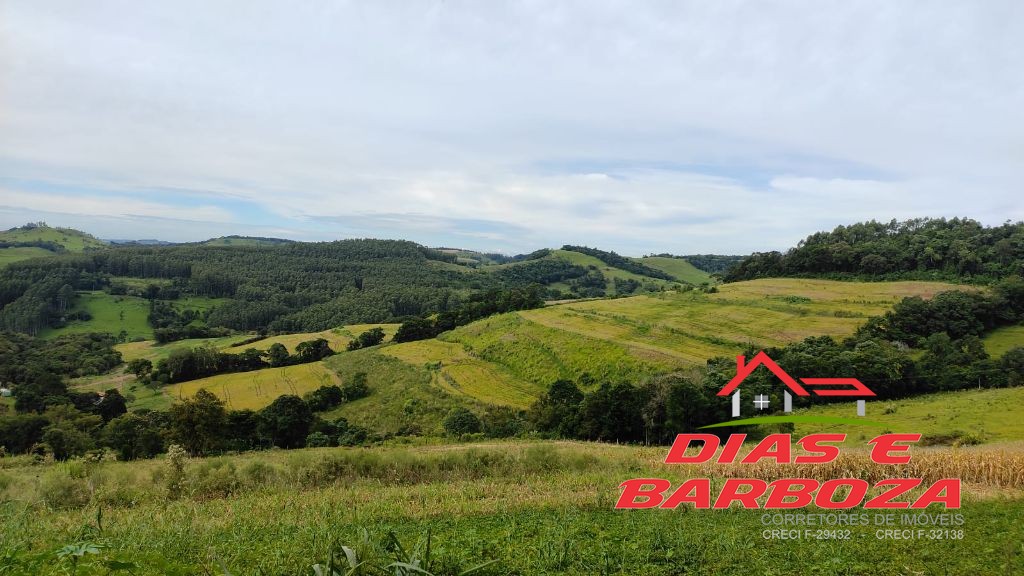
{"type": "Point", "coordinates": [120, 495]}
{"type": "Point", "coordinates": [318, 440]}
{"type": "Point", "coordinates": [461, 421]}
{"type": "Point", "coordinates": [258, 472]}
{"type": "Point", "coordinates": [356, 388]}
{"type": "Point", "coordinates": [62, 492]}
{"type": "Point", "coordinates": [954, 438]}
{"type": "Point", "coordinates": [215, 479]}
{"type": "Point", "coordinates": [174, 478]}
{"type": "Point", "coordinates": [324, 398]}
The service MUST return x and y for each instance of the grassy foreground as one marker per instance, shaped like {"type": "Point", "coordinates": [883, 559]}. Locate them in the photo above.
{"type": "Point", "coordinates": [532, 507]}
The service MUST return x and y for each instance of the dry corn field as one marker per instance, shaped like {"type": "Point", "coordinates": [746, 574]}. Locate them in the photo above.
{"type": "Point", "coordinates": [988, 467]}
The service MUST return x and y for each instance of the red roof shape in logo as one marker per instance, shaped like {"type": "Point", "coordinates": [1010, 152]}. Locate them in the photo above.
{"type": "Point", "coordinates": [743, 369]}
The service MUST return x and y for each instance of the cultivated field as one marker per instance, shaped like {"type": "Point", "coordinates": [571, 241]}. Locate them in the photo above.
{"type": "Point", "coordinates": [241, 390]}
{"type": "Point", "coordinates": [510, 359]}
{"type": "Point", "coordinates": [626, 339]}
{"type": "Point", "coordinates": [528, 507]}
{"type": "Point", "coordinates": [456, 371]}
{"type": "Point", "coordinates": [337, 338]}
{"type": "Point", "coordinates": [152, 351]}
{"type": "Point", "coordinates": [258, 388]}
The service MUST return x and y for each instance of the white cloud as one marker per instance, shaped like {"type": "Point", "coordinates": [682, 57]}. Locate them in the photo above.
{"type": "Point", "coordinates": [684, 126]}
{"type": "Point", "coordinates": [116, 206]}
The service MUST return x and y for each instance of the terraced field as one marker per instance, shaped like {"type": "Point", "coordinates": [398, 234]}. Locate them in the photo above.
{"type": "Point", "coordinates": [152, 351]}
{"type": "Point", "coordinates": [401, 398]}
{"type": "Point", "coordinates": [458, 372]}
{"type": "Point", "coordinates": [627, 339]}
{"type": "Point", "coordinates": [337, 338]}
{"type": "Point", "coordinates": [257, 389]}
{"type": "Point", "coordinates": [510, 359]}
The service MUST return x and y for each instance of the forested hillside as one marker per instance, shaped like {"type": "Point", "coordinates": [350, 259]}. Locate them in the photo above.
{"type": "Point", "coordinates": [282, 286]}
{"type": "Point", "coordinates": [289, 287]}
{"type": "Point", "coordinates": [922, 248]}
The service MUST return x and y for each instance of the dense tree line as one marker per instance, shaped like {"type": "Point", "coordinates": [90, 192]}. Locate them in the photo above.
{"type": "Point", "coordinates": [546, 271]}
{"type": "Point", "coordinates": [622, 263]}
{"type": "Point", "coordinates": [371, 337]}
{"type": "Point", "coordinates": [653, 412]}
{"type": "Point", "coordinates": [593, 284]}
{"type": "Point", "coordinates": [710, 263]}
{"type": "Point", "coordinates": [44, 244]}
{"type": "Point", "coordinates": [289, 287]}
{"type": "Point", "coordinates": [34, 299]}
{"type": "Point", "coordinates": [171, 323]}
{"type": "Point", "coordinates": [919, 248]}
{"type": "Point", "coordinates": [46, 411]}
{"type": "Point", "coordinates": [478, 306]}
{"type": "Point", "coordinates": [24, 358]}
{"type": "Point", "coordinates": [184, 364]}
{"type": "Point", "coordinates": [957, 313]}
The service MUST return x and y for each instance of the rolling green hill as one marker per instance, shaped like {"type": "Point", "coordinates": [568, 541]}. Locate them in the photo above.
{"type": "Point", "coordinates": [246, 241]}
{"type": "Point", "coordinates": [510, 359]}
{"type": "Point", "coordinates": [72, 240]}
{"type": "Point", "coordinates": [610, 272]}
{"type": "Point", "coordinates": [677, 267]}
{"type": "Point", "coordinates": [39, 240]}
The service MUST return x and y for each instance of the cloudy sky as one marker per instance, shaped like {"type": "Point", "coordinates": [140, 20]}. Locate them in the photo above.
{"type": "Point", "coordinates": [682, 127]}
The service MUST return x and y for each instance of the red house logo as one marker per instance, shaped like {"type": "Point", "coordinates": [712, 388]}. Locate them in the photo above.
{"type": "Point", "coordinates": [830, 386]}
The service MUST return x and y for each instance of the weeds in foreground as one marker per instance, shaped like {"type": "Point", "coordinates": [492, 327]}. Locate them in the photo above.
{"type": "Point", "coordinates": [387, 556]}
